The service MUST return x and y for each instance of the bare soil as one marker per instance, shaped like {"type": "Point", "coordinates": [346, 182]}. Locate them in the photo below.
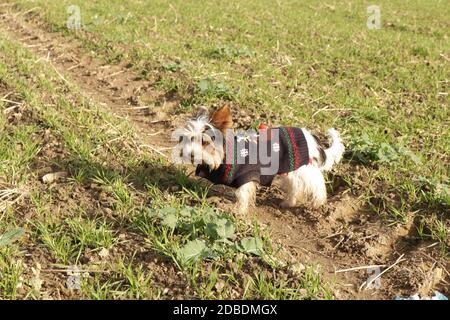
{"type": "Point", "coordinates": [344, 234]}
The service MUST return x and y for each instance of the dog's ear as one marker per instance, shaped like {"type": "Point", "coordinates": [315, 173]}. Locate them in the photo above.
{"type": "Point", "coordinates": [201, 111]}
{"type": "Point", "coordinates": [221, 119]}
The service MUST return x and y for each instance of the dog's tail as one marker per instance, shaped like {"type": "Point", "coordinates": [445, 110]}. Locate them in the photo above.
{"type": "Point", "coordinates": [334, 153]}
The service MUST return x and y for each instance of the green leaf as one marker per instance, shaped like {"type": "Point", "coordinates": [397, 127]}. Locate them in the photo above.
{"type": "Point", "coordinates": [193, 251]}
{"type": "Point", "coordinates": [187, 212]}
{"type": "Point", "coordinates": [152, 213]}
{"type": "Point", "coordinates": [225, 229]}
{"type": "Point", "coordinates": [166, 211]}
{"type": "Point", "coordinates": [204, 85]}
{"type": "Point", "coordinates": [221, 229]}
{"type": "Point", "coordinates": [170, 220]}
{"type": "Point", "coordinates": [189, 228]}
{"type": "Point", "coordinates": [10, 236]}
{"type": "Point", "coordinates": [251, 245]}
{"type": "Point", "coordinates": [172, 67]}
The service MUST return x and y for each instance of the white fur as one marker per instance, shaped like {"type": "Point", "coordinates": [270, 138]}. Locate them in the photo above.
{"type": "Point", "coordinates": [334, 152]}
{"type": "Point", "coordinates": [245, 195]}
{"type": "Point", "coordinates": [304, 185]}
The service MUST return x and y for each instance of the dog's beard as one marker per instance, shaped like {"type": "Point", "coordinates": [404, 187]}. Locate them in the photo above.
{"type": "Point", "coordinates": [213, 158]}
{"type": "Point", "coordinates": [196, 154]}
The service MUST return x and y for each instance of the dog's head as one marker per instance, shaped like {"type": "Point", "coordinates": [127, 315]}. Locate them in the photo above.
{"type": "Point", "coordinates": [201, 140]}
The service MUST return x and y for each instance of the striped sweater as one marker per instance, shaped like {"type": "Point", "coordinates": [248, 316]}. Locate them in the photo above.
{"type": "Point", "coordinates": [259, 158]}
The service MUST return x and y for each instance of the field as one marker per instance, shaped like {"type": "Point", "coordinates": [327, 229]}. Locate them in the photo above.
{"type": "Point", "coordinates": [91, 206]}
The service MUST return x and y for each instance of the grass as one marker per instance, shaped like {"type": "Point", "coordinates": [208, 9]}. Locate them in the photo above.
{"type": "Point", "coordinates": [107, 216]}
{"type": "Point", "coordinates": [10, 278]}
{"type": "Point", "coordinates": [304, 63]}
{"type": "Point", "coordinates": [317, 63]}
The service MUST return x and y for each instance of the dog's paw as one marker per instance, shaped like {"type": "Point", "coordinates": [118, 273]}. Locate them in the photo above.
{"type": "Point", "coordinates": [239, 211]}
{"type": "Point", "coordinates": [287, 203]}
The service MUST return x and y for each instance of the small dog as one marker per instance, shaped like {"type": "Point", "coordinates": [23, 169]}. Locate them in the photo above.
{"type": "Point", "coordinates": [242, 160]}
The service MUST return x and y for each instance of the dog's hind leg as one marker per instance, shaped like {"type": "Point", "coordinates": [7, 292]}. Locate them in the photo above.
{"type": "Point", "coordinates": [311, 185]}
{"type": "Point", "coordinates": [306, 184]}
{"type": "Point", "coordinates": [290, 185]}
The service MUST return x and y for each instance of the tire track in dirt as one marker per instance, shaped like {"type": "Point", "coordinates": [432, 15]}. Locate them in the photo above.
{"type": "Point", "coordinates": [115, 87]}
{"type": "Point", "coordinates": [342, 235]}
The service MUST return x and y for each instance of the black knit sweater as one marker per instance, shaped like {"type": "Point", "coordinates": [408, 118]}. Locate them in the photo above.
{"type": "Point", "coordinates": [286, 149]}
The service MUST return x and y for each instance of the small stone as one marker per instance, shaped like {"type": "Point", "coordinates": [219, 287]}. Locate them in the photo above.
{"type": "Point", "coordinates": [297, 269]}
{"type": "Point", "coordinates": [55, 176]}
{"type": "Point", "coordinates": [219, 286]}
{"type": "Point", "coordinates": [103, 253]}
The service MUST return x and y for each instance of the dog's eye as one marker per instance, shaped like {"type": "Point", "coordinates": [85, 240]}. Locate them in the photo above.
{"type": "Point", "coordinates": [213, 138]}
{"type": "Point", "coordinates": [192, 139]}
{"type": "Point", "coordinates": [180, 139]}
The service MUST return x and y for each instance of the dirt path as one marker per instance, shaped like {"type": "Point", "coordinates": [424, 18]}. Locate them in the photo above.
{"type": "Point", "coordinates": [343, 235]}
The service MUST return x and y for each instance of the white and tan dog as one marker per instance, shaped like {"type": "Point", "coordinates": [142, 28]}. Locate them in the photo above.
{"type": "Point", "coordinates": [243, 160]}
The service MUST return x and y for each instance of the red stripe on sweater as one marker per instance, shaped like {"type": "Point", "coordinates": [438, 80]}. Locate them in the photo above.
{"type": "Point", "coordinates": [294, 148]}
{"type": "Point", "coordinates": [229, 148]}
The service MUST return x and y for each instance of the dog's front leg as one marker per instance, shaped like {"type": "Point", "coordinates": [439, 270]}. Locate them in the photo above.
{"type": "Point", "coordinates": [245, 195]}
